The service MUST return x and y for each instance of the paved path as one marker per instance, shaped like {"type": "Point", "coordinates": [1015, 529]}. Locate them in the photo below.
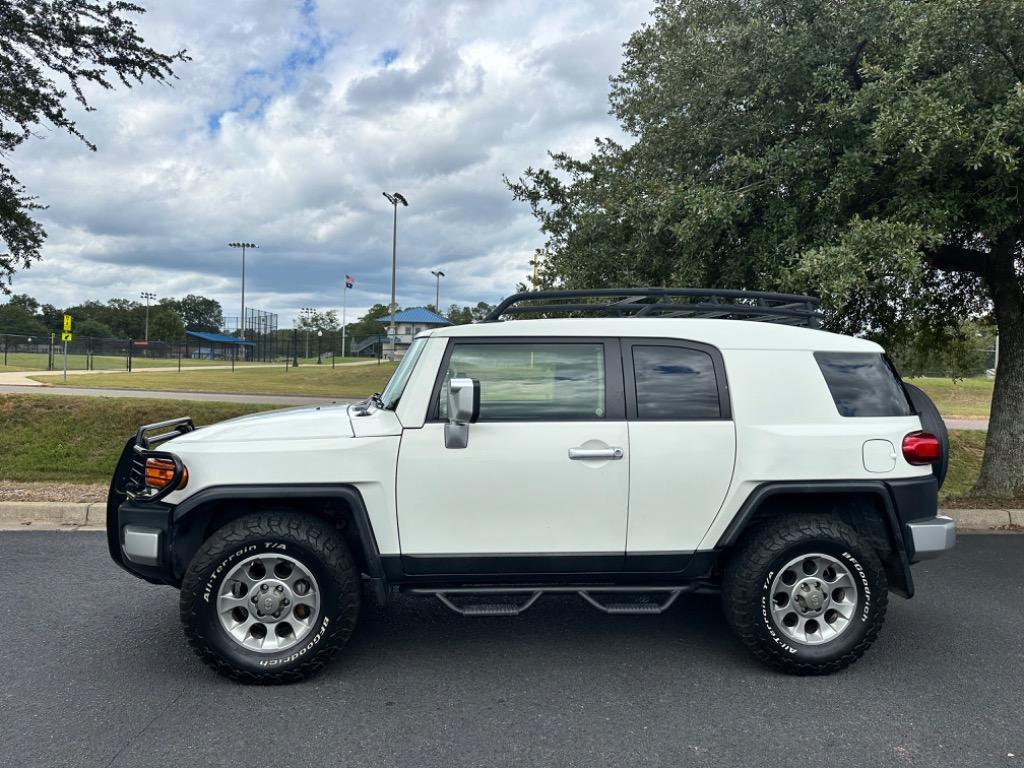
{"type": "Point", "coordinates": [220, 397]}
{"type": "Point", "coordinates": [96, 672]}
{"type": "Point", "coordinates": [969, 424]}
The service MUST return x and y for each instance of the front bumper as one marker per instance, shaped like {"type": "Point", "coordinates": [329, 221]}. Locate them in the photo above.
{"type": "Point", "coordinates": [932, 537]}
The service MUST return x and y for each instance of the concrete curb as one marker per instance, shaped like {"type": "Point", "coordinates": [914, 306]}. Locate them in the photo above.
{"type": "Point", "coordinates": [26, 515]}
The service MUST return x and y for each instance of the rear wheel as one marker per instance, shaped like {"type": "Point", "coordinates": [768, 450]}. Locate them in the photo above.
{"type": "Point", "coordinates": [805, 594]}
{"type": "Point", "coordinates": [270, 597]}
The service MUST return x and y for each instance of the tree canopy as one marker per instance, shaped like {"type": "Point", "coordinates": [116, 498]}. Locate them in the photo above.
{"type": "Point", "coordinates": [868, 151]}
{"type": "Point", "coordinates": [48, 47]}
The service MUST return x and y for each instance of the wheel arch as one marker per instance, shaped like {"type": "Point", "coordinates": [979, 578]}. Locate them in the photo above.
{"type": "Point", "coordinates": [199, 516]}
{"type": "Point", "coordinates": [866, 506]}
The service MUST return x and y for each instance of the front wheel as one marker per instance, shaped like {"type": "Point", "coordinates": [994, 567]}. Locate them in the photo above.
{"type": "Point", "coordinates": [805, 594]}
{"type": "Point", "coordinates": [270, 597]}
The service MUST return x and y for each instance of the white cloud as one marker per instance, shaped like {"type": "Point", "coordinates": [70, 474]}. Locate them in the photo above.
{"type": "Point", "coordinates": [287, 125]}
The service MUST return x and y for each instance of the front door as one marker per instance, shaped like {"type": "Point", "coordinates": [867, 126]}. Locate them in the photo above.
{"type": "Point", "coordinates": [543, 485]}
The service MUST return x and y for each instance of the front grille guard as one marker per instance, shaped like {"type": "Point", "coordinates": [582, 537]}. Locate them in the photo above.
{"type": "Point", "coordinates": [134, 483]}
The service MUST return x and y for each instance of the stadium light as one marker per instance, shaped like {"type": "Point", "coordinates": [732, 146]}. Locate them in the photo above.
{"type": "Point", "coordinates": [241, 317]}
{"type": "Point", "coordinates": [147, 296]}
{"type": "Point", "coordinates": [437, 291]}
{"type": "Point", "coordinates": [394, 198]}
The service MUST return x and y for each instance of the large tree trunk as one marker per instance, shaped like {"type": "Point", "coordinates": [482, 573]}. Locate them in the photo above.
{"type": "Point", "coordinates": [1002, 470]}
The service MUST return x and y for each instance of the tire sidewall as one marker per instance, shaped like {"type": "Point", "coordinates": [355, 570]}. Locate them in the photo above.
{"type": "Point", "coordinates": [866, 611]}
{"type": "Point", "coordinates": [205, 623]}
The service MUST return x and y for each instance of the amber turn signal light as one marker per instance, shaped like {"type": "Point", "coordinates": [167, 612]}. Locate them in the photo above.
{"type": "Point", "coordinates": [160, 472]}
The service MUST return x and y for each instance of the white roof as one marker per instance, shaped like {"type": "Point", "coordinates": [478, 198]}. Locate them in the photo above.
{"type": "Point", "coordinates": [724, 334]}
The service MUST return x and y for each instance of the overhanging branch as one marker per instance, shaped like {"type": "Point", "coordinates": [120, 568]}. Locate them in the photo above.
{"type": "Point", "coordinates": [956, 258]}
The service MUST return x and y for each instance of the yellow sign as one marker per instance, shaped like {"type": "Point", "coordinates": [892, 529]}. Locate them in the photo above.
{"type": "Point", "coordinates": [67, 324]}
{"type": "Point", "coordinates": [66, 336]}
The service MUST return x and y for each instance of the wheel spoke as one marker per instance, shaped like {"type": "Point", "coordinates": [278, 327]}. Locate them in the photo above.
{"type": "Point", "coordinates": [810, 598]}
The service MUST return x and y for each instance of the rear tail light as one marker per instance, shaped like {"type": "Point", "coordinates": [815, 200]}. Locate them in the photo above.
{"type": "Point", "coordinates": [160, 472]}
{"type": "Point", "coordinates": [922, 448]}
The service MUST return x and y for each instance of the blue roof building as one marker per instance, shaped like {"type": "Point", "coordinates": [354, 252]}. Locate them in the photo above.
{"type": "Point", "coordinates": [408, 323]}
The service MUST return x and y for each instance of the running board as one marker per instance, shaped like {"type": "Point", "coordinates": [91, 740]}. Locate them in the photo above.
{"type": "Point", "coordinates": [531, 595]}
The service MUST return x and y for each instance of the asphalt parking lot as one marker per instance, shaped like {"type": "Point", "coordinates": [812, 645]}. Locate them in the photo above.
{"type": "Point", "coordinates": [96, 673]}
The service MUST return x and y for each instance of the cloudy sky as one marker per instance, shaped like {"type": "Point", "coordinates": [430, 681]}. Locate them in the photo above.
{"type": "Point", "coordinates": [287, 125]}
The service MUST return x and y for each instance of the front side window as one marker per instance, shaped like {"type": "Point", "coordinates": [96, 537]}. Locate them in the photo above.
{"type": "Point", "coordinates": [532, 381]}
{"type": "Point", "coordinates": [863, 384]}
{"type": "Point", "coordinates": [675, 383]}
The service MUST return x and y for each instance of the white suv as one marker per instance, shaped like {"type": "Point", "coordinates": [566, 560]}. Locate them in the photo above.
{"type": "Point", "coordinates": [672, 443]}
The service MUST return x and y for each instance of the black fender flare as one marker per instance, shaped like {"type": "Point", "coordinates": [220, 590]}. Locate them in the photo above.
{"type": "Point", "coordinates": [901, 581]}
{"type": "Point", "coordinates": [187, 538]}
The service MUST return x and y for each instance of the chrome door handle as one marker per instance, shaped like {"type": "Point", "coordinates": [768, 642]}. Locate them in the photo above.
{"type": "Point", "coordinates": [595, 453]}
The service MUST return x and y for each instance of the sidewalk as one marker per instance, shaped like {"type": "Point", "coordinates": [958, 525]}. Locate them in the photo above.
{"type": "Point", "coordinates": [66, 516]}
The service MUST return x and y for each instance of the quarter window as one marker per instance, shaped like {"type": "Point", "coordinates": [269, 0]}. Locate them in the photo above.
{"type": "Point", "coordinates": [532, 381]}
{"type": "Point", "coordinates": [675, 383]}
{"type": "Point", "coordinates": [863, 384]}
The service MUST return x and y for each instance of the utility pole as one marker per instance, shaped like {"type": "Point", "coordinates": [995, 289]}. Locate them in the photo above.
{"type": "Point", "coordinates": [437, 290]}
{"type": "Point", "coordinates": [147, 296]}
{"type": "Point", "coordinates": [394, 199]}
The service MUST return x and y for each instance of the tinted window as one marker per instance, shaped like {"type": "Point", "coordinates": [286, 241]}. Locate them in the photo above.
{"type": "Point", "coordinates": [863, 384]}
{"type": "Point", "coordinates": [675, 383]}
{"type": "Point", "coordinates": [524, 381]}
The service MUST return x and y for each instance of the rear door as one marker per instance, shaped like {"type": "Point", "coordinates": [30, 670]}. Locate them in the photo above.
{"type": "Point", "coordinates": [682, 448]}
{"type": "Point", "coordinates": [543, 485]}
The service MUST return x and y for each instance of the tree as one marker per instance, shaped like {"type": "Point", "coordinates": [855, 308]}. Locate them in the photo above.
{"type": "Point", "coordinates": [869, 151]}
{"type": "Point", "coordinates": [369, 324]}
{"type": "Point", "coordinates": [198, 313]}
{"type": "Point", "coordinates": [18, 315]}
{"type": "Point", "coordinates": [165, 325]}
{"type": "Point", "coordinates": [319, 321]}
{"type": "Point", "coordinates": [92, 329]}
{"type": "Point", "coordinates": [79, 43]}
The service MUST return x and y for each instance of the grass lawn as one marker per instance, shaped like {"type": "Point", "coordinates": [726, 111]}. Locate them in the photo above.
{"type": "Point", "coordinates": [27, 361]}
{"type": "Point", "coordinates": [959, 398]}
{"type": "Point", "coordinates": [79, 439]}
{"type": "Point", "coordinates": [315, 380]}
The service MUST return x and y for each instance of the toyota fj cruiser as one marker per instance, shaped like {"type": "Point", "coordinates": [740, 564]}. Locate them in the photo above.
{"type": "Point", "coordinates": [626, 446]}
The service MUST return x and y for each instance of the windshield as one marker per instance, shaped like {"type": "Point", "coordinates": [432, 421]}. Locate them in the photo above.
{"type": "Point", "coordinates": [396, 385]}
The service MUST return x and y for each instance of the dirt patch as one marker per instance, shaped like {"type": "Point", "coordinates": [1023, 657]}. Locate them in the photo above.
{"type": "Point", "coordinates": [980, 502]}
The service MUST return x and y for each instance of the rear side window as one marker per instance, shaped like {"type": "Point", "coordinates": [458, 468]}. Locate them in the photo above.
{"type": "Point", "coordinates": [863, 384]}
{"type": "Point", "coordinates": [674, 383]}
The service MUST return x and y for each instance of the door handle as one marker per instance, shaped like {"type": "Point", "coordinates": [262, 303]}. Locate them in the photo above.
{"type": "Point", "coordinates": [595, 453]}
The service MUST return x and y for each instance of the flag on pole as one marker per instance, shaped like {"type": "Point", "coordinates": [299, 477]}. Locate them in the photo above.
{"type": "Point", "coordinates": [350, 281]}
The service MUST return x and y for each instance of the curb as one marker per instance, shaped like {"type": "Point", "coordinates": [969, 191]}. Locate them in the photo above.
{"type": "Point", "coordinates": [48, 515]}
{"type": "Point", "coordinates": [26, 515]}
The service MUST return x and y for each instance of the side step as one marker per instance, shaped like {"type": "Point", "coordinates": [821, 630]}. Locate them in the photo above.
{"type": "Point", "coordinates": [533, 594]}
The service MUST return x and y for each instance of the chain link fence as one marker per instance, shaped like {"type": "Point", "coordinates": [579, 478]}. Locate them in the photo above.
{"type": "Point", "coordinates": [21, 352]}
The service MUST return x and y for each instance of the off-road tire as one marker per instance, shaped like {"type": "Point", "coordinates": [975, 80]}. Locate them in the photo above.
{"type": "Point", "coordinates": [312, 542]}
{"type": "Point", "coordinates": [746, 592]}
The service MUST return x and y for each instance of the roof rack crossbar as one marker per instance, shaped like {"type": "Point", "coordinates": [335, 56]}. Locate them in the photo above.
{"type": "Point", "coordinates": [663, 302]}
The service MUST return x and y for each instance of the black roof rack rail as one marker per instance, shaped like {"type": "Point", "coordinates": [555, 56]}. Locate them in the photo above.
{"type": "Point", "coordinates": [723, 303]}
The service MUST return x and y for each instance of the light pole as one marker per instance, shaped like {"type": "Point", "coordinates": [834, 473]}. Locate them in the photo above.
{"type": "Point", "coordinates": [147, 296]}
{"type": "Point", "coordinates": [319, 338]}
{"type": "Point", "coordinates": [437, 291]}
{"type": "Point", "coordinates": [308, 313]}
{"type": "Point", "coordinates": [394, 198]}
{"type": "Point", "coordinates": [241, 318]}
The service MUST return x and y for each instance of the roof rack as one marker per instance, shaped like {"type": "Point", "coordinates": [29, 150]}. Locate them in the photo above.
{"type": "Point", "coordinates": [785, 308]}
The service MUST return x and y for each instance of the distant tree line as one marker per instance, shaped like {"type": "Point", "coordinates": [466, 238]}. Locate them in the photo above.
{"type": "Point", "coordinates": [117, 318]}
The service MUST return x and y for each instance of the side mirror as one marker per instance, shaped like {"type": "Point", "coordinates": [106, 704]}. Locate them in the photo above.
{"type": "Point", "coordinates": [463, 410]}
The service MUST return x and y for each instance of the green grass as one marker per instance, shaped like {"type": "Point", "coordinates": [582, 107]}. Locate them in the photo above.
{"type": "Point", "coordinates": [312, 380]}
{"type": "Point", "coordinates": [79, 439]}
{"type": "Point", "coordinates": [966, 449]}
{"type": "Point", "coordinates": [959, 398]}
{"type": "Point", "coordinates": [27, 361]}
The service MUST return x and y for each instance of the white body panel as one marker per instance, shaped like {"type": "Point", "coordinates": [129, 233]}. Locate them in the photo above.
{"type": "Point", "coordinates": [679, 473]}
{"type": "Point", "coordinates": [513, 489]}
